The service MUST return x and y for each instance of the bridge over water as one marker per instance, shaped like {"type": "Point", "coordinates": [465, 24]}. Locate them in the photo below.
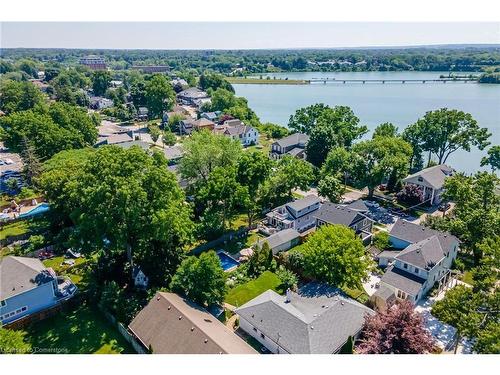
{"type": "Point", "coordinates": [401, 81]}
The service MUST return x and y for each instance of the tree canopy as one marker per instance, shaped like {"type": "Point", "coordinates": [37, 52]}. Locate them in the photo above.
{"type": "Point", "coordinates": [214, 81]}
{"type": "Point", "coordinates": [493, 158]}
{"type": "Point", "coordinates": [100, 82]}
{"type": "Point", "coordinates": [20, 96]}
{"type": "Point", "coordinates": [159, 96]}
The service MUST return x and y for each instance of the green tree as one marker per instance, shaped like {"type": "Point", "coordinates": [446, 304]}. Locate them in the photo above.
{"type": "Point", "coordinates": [253, 169]}
{"type": "Point", "coordinates": [204, 151]}
{"type": "Point", "coordinates": [20, 96]}
{"type": "Point", "coordinates": [288, 278]}
{"type": "Point", "coordinates": [377, 159]}
{"type": "Point", "coordinates": [444, 131]}
{"type": "Point", "coordinates": [381, 240]}
{"type": "Point", "coordinates": [159, 95]}
{"type": "Point", "coordinates": [154, 132]}
{"type": "Point", "coordinates": [201, 279]}
{"type": "Point", "coordinates": [385, 130]}
{"type": "Point", "coordinates": [487, 273]}
{"type": "Point", "coordinates": [493, 158]}
{"type": "Point", "coordinates": [330, 186]}
{"type": "Point", "coordinates": [335, 255]}
{"type": "Point", "coordinates": [458, 308]}
{"type": "Point", "coordinates": [13, 342]}
{"type": "Point", "coordinates": [476, 214]}
{"type": "Point", "coordinates": [214, 81]}
{"type": "Point", "coordinates": [336, 127]}
{"type": "Point", "coordinates": [32, 166]}
{"type": "Point", "coordinates": [305, 119]}
{"type": "Point", "coordinates": [100, 82]}
{"type": "Point", "coordinates": [168, 138]}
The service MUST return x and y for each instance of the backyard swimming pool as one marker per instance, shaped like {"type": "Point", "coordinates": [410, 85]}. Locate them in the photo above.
{"type": "Point", "coordinates": [40, 209]}
{"type": "Point", "coordinates": [228, 263]}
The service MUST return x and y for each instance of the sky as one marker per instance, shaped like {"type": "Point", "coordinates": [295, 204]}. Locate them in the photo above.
{"type": "Point", "coordinates": [243, 35]}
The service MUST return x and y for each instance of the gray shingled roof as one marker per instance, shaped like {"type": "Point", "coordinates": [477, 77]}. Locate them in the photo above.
{"type": "Point", "coordinates": [317, 320]}
{"type": "Point", "coordinates": [358, 205]}
{"type": "Point", "coordinates": [282, 237]}
{"type": "Point", "coordinates": [293, 139]}
{"type": "Point", "coordinates": [413, 233]}
{"type": "Point", "coordinates": [173, 152]}
{"type": "Point", "coordinates": [338, 214]}
{"type": "Point", "coordinates": [402, 280]}
{"type": "Point", "coordinates": [126, 145]}
{"type": "Point", "coordinates": [424, 254]}
{"type": "Point", "coordinates": [20, 274]}
{"type": "Point", "coordinates": [432, 177]}
{"type": "Point", "coordinates": [193, 93]}
{"type": "Point", "coordinates": [303, 203]}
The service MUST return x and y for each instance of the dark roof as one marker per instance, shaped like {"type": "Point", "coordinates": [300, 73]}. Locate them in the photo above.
{"type": "Point", "coordinates": [424, 254]}
{"type": "Point", "coordinates": [293, 139]}
{"type": "Point", "coordinates": [409, 232]}
{"type": "Point", "coordinates": [303, 203]}
{"type": "Point", "coordinates": [170, 324]}
{"type": "Point", "coordinates": [402, 280]}
{"type": "Point", "coordinates": [317, 320]}
{"type": "Point", "coordinates": [333, 213]}
{"type": "Point", "coordinates": [282, 237]}
{"type": "Point", "coordinates": [358, 205]}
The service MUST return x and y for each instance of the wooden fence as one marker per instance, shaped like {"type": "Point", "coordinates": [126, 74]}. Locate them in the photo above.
{"type": "Point", "coordinates": [138, 347]}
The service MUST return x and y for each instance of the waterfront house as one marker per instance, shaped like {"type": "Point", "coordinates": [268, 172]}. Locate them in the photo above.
{"type": "Point", "coordinates": [192, 96]}
{"type": "Point", "coordinates": [170, 324]}
{"type": "Point", "coordinates": [236, 129]}
{"type": "Point", "coordinates": [293, 144]}
{"type": "Point", "coordinates": [27, 287]}
{"type": "Point", "coordinates": [334, 213]}
{"type": "Point", "coordinates": [430, 181]}
{"type": "Point", "coordinates": [422, 258]}
{"type": "Point", "coordinates": [316, 320]}
{"type": "Point", "coordinates": [298, 215]}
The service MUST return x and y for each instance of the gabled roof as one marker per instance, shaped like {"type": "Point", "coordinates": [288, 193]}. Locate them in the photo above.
{"type": "Point", "coordinates": [193, 93]}
{"type": "Point", "coordinates": [424, 254]}
{"type": "Point", "coordinates": [412, 233]}
{"type": "Point", "coordinates": [173, 152]}
{"type": "Point", "coordinates": [333, 213]}
{"type": "Point", "coordinates": [317, 320]}
{"type": "Point", "coordinates": [282, 237]}
{"type": "Point", "coordinates": [170, 324]}
{"type": "Point", "coordinates": [303, 203]}
{"type": "Point", "coordinates": [432, 177]}
{"type": "Point", "coordinates": [20, 274]}
{"type": "Point", "coordinates": [293, 139]}
{"type": "Point", "coordinates": [202, 122]}
{"type": "Point", "coordinates": [358, 205]}
{"type": "Point", "coordinates": [118, 138]}
{"type": "Point", "coordinates": [403, 280]}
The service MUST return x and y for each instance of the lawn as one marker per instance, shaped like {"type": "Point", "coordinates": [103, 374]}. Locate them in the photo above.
{"type": "Point", "coordinates": [245, 292]}
{"type": "Point", "coordinates": [14, 229]}
{"type": "Point", "coordinates": [83, 330]}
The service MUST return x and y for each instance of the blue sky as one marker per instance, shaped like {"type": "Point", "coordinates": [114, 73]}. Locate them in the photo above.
{"type": "Point", "coordinates": [245, 35]}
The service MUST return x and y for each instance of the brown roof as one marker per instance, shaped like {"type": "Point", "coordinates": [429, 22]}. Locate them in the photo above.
{"type": "Point", "coordinates": [171, 324]}
{"type": "Point", "coordinates": [203, 122]}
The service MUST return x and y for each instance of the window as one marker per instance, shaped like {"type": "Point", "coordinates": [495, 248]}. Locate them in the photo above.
{"type": "Point", "coordinates": [24, 308]}
{"type": "Point", "coordinates": [405, 266]}
{"type": "Point", "coordinates": [402, 295]}
{"type": "Point", "coordinates": [262, 336]}
{"type": "Point", "coordinates": [416, 270]}
{"type": "Point", "coordinates": [255, 329]}
{"type": "Point", "coordinates": [3, 303]}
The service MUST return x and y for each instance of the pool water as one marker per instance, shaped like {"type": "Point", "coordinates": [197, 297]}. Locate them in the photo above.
{"type": "Point", "coordinates": [227, 262]}
{"type": "Point", "coordinates": [40, 209]}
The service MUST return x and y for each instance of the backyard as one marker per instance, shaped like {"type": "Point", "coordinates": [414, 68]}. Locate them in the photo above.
{"type": "Point", "coordinates": [243, 293]}
{"type": "Point", "coordinates": [14, 229]}
{"type": "Point", "coordinates": [82, 330]}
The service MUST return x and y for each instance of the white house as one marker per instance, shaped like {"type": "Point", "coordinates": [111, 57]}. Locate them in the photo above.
{"type": "Point", "coordinates": [298, 215]}
{"type": "Point", "coordinates": [430, 181]}
{"type": "Point", "coordinates": [140, 279]}
{"type": "Point", "coordinates": [236, 129]}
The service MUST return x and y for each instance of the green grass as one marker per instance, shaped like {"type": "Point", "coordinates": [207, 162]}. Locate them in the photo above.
{"type": "Point", "coordinates": [83, 330]}
{"type": "Point", "coordinates": [14, 229]}
{"type": "Point", "coordinates": [245, 292]}
{"type": "Point", "coordinates": [467, 278]}
{"type": "Point", "coordinates": [56, 263]}
{"type": "Point", "coordinates": [357, 294]}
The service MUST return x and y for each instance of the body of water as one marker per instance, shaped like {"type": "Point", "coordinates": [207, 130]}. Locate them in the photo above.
{"type": "Point", "coordinates": [376, 103]}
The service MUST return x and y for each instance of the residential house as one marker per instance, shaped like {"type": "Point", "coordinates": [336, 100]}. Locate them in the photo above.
{"type": "Point", "coordinates": [42, 86]}
{"type": "Point", "coordinates": [187, 126]}
{"type": "Point", "coordinates": [298, 215]}
{"type": "Point", "coordinates": [27, 287]}
{"type": "Point", "coordinates": [170, 324]}
{"type": "Point", "coordinates": [141, 144]}
{"type": "Point", "coordinates": [431, 182]}
{"type": "Point", "coordinates": [235, 129]}
{"type": "Point", "coordinates": [212, 116]}
{"type": "Point", "coordinates": [333, 213]}
{"type": "Point", "coordinates": [114, 139]}
{"type": "Point", "coordinates": [116, 83]}
{"type": "Point", "coordinates": [140, 279]}
{"type": "Point", "coordinates": [293, 144]}
{"type": "Point", "coordinates": [192, 96]}
{"type": "Point", "coordinates": [424, 258]}
{"type": "Point", "coordinates": [98, 103]}
{"type": "Point", "coordinates": [173, 153]}
{"type": "Point", "coordinates": [176, 111]}
{"type": "Point", "coordinates": [179, 84]}
{"type": "Point", "coordinates": [316, 320]}
{"type": "Point", "coordinates": [142, 114]}
{"type": "Point", "coordinates": [282, 241]}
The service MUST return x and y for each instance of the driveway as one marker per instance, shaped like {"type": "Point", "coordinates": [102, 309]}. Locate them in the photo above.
{"type": "Point", "coordinates": [442, 333]}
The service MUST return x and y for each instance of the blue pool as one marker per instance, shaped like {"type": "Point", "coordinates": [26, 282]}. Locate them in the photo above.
{"type": "Point", "coordinates": [40, 209]}
{"type": "Point", "coordinates": [227, 262]}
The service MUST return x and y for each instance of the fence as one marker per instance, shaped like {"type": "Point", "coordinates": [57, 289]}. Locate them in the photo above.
{"type": "Point", "coordinates": [125, 333]}
{"type": "Point", "coordinates": [237, 234]}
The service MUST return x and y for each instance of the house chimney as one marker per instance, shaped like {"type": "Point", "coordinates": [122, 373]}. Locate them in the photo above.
{"type": "Point", "coordinates": [288, 296]}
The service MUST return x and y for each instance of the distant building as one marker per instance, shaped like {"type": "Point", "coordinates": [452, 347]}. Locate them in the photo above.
{"type": "Point", "coordinates": [93, 62]}
{"type": "Point", "coordinates": [192, 96]}
{"type": "Point", "coordinates": [235, 129]}
{"type": "Point", "coordinates": [27, 287]}
{"type": "Point", "coordinates": [173, 154]}
{"type": "Point", "coordinates": [294, 145]}
{"type": "Point", "coordinates": [170, 324]}
{"type": "Point", "coordinates": [114, 139]}
{"type": "Point", "coordinates": [151, 68]}
{"type": "Point", "coordinates": [97, 102]}
{"type": "Point", "coordinates": [142, 114]}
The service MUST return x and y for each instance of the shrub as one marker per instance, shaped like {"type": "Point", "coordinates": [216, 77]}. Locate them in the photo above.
{"type": "Point", "coordinates": [288, 278]}
{"type": "Point", "coordinates": [381, 240]}
{"type": "Point", "coordinates": [411, 194]}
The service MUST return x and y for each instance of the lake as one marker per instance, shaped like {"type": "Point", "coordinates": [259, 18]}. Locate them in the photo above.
{"type": "Point", "coordinates": [376, 103]}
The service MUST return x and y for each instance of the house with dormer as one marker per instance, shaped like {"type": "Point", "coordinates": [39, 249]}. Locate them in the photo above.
{"type": "Point", "coordinates": [298, 215]}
